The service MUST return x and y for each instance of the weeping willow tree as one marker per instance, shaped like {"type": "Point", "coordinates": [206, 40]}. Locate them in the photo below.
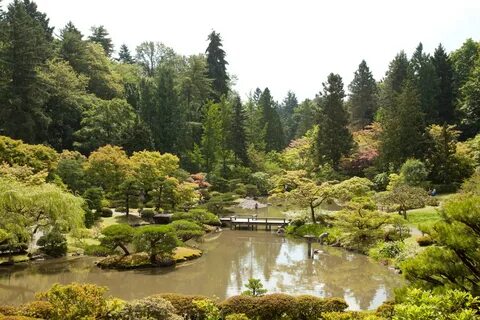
{"type": "Point", "coordinates": [26, 210]}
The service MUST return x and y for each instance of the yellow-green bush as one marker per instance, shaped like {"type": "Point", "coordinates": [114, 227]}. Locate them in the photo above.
{"type": "Point", "coordinates": [184, 305]}
{"type": "Point", "coordinates": [309, 307]}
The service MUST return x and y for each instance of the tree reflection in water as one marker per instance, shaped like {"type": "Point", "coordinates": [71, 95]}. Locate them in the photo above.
{"type": "Point", "coordinates": [230, 259]}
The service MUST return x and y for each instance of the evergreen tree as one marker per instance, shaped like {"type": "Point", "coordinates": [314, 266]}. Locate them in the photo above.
{"type": "Point", "coordinates": [212, 131]}
{"type": "Point", "coordinates": [425, 80]}
{"type": "Point", "coordinates": [334, 140]}
{"type": "Point", "coordinates": [270, 121]}
{"type": "Point", "coordinates": [29, 46]}
{"type": "Point", "coordinates": [444, 98]}
{"type": "Point", "coordinates": [363, 97]}
{"type": "Point", "coordinates": [124, 55]}
{"type": "Point", "coordinates": [239, 143]}
{"type": "Point", "coordinates": [217, 66]}
{"type": "Point", "coordinates": [403, 129]}
{"type": "Point", "coordinates": [393, 83]}
{"type": "Point", "coordinates": [159, 109]}
{"type": "Point", "coordinates": [100, 35]}
{"type": "Point", "coordinates": [305, 116]}
{"type": "Point", "coordinates": [287, 110]}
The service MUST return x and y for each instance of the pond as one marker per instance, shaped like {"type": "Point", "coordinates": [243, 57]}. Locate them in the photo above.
{"type": "Point", "coordinates": [230, 259]}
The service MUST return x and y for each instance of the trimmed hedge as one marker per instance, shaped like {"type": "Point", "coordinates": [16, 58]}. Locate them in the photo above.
{"type": "Point", "coordinates": [106, 212]}
{"type": "Point", "coordinates": [184, 305]}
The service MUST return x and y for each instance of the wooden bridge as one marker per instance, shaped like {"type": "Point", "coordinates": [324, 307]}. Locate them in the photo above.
{"type": "Point", "coordinates": [252, 223]}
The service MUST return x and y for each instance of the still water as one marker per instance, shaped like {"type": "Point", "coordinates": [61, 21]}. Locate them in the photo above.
{"type": "Point", "coordinates": [229, 260]}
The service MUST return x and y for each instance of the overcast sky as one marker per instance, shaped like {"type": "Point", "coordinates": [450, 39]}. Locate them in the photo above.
{"type": "Point", "coordinates": [285, 45]}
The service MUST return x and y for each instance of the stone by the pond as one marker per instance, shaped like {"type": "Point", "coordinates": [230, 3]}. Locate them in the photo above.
{"type": "Point", "coordinates": [248, 203]}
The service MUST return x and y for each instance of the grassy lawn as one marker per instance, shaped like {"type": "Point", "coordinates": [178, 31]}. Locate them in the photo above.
{"type": "Point", "coordinates": [16, 258]}
{"type": "Point", "coordinates": [422, 216]}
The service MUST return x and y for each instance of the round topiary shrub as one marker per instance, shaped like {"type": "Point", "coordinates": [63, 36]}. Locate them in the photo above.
{"type": "Point", "coordinates": [309, 307]}
{"type": "Point", "coordinates": [106, 212]}
{"type": "Point", "coordinates": [153, 307]}
{"type": "Point", "coordinates": [237, 316]}
{"type": "Point", "coordinates": [96, 250]}
{"type": "Point", "coordinates": [53, 244]}
{"type": "Point", "coordinates": [37, 309]}
{"type": "Point", "coordinates": [425, 241]}
{"type": "Point", "coordinates": [240, 304]}
{"type": "Point", "coordinates": [275, 306]}
{"type": "Point", "coordinates": [147, 214]}
{"type": "Point", "coordinates": [121, 209]}
{"type": "Point", "coordinates": [185, 306]}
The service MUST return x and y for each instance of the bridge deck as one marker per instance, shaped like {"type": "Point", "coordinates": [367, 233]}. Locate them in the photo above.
{"type": "Point", "coordinates": [253, 222]}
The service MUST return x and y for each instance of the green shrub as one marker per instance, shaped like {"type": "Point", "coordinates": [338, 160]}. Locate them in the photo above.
{"type": "Point", "coordinates": [121, 209]}
{"type": "Point", "coordinates": [53, 244]}
{"type": "Point", "coordinates": [386, 310]}
{"type": "Point", "coordinates": [309, 228]}
{"type": "Point", "coordinates": [309, 307]}
{"type": "Point", "coordinates": [147, 214]}
{"type": "Point", "coordinates": [75, 301]}
{"type": "Point", "coordinates": [97, 250]}
{"type": "Point", "coordinates": [37, 309]}
{"type": "Point", "coordinates": [386, 250]}
{"type": "Point", "coordinates": [241, 190]}
{"type": "Point", "coordinates": [199, 215]}
{"type": "Point", "coordinates": [240, 304]}
{"type": "Point", "coordinates": [237, 316]}
{"type": "Point", "coordinates": [106, 212]}
{"type": "Point", "coordinates": [425, 241]}
{"type": "Point", "coordinates": [89, 217]}
{"type": "Point", "coordinates": [153, 307]}
{"type": "Point", "coordinates": [9, 310]}
{"type": "Point", "coordinates": [414, 172]}
{"type": "Point", "coordinates": [93, 197]}
{"type": "Point", "coordinates": [352, 315]}
{"type": "Point", "coordinates": [186, 229]}
{"type": "Point", "coordinates": [251, 190]}
{"type": "Point", "coordinates": [184, 305]}
{"type": "Point", "coordinates": [274, 306]}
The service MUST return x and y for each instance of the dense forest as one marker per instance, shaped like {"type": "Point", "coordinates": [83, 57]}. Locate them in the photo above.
{"type": "Point", "coordinates": [85, 127]}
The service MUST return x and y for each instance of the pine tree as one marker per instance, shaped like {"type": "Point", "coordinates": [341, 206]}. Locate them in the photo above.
{"type": "Point", "coordinates": [444, 98]}
{"type": "Point", "coordinates": [403, 129]}
{"type": "Point", "coordinates": [270, 121]}
{"type": "Point", "coordinates": [238, 136]}
{"type": "Point", "coordinates": [100, 35]}
{"type": "Point", "coordinates": [124, 55]}
{"type": "Point", "coordinates": [334, 140]}
{"type": "Point", "coordinates": [217, 66]}
{"type": "Point", "coordinates": [29, 46]}
{"type": "Point", "coordinates": [287, 110]}
{"type": "Point", "coordinates": [425, 80]}
{"type": "Point", "coordinates": [363, 97]}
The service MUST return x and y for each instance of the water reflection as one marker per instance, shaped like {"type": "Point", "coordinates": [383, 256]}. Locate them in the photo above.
{"type": "Point", "coordinates": [230, 259]}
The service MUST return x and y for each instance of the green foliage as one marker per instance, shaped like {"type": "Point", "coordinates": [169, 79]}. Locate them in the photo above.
{"type": "Point", "coordinates": [402, 198]}
{"type": "Point", "coordinates": [254, 288]}
{"type": "Point", "coordinates": [209, 308]}
{"type": "Point", "coordinates": [186, 229]}
{"type": "Point", "coordinates": [158, 241]}
{"type": "Point", "coordinates": [425, 241]}
{"type": "Point", "coordinates": [450, 262]}
{"type": "Point", "coordinates": [311, 308]}
{"type": "Point", "coordinates": [453, 304]}
{"type": "Point", "coordinates": [413, 172]}
{"type": "Point", "coordinates": [117, 235]}
{"type": "Point", "coordinates": [217, 66]}
{"type": "Point", "coordinates": [53, 244]}
{"type": "Point", "coordinates": [386, 250]}
{"type": "Point", "coordinates": [185, 306]}
{"type": "Point", "coordinates": [106, 212]}
{"type": "Point", "coordinates": [75, 301]}
{"type": "Point", "coordinates": [198, 215]}
{"type": "Point", "coordinates": [153, 307]}
{"type": "Point", "coordinates": [97, 250]}
{"type": "Point", "coordinates": [333, 121]}
{"type": "Point", "coordinates": [363, 98]}
{"type": "Point", "coordinates": [236, 316]}
{"type": "Point", "coordinates": [147, 214]}
{"type": "Point", "coordinates": [93, 197]}
{"type": "Point", "coordinates": [37, 309]}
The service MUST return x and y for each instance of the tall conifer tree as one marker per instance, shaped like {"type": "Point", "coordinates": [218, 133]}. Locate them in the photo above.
{"type": "Point", "coordinates": [444, 98]}
{"type": "Point", "coordinates": [334, 140]}
{"type": "Point", "coordinates": [217, 66]}
{"type": "Point", "coordinates": [363, 97]}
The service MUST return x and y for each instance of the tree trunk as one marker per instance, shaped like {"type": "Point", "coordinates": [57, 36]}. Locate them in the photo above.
{"type": "Point", "coordinates": [153, 258]}
{"type": "Point", "coordinates": [124, 248]}
{"type": "Point", "coordinates": [127, 205]}
{"type": "Point", "coordinates": [312, 212]}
